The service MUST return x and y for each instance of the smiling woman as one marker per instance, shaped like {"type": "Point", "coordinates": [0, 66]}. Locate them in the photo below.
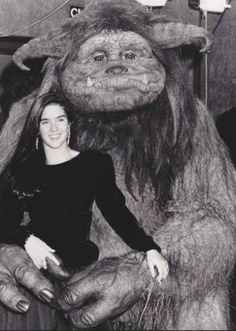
{"type": "Point", "coordinates": [54, 130]}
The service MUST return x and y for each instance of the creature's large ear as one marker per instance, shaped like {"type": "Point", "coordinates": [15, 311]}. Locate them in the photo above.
{"type": "Point", "coordinates": [175, 34]}
{"type": "Point", "coordinates": [53, 44]}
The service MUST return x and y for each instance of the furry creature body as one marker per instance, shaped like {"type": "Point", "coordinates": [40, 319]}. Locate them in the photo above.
{"type": "Point", "coordinates": [118, 65]}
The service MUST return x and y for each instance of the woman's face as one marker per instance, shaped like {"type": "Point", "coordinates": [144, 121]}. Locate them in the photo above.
{"type": "Point", "coordinates": [54, 126]}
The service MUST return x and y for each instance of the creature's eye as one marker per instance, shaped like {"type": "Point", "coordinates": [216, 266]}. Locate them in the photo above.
{"type": "Point", "coordinates": [130, 56]}
{"type": "Point", "coordinates": [99, 57]}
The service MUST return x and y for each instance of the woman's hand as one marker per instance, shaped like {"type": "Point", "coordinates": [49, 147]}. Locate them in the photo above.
{"type": "Point", "coordinates": [156, 261]}
{"type": "Point", "coordinates": [38, 250]}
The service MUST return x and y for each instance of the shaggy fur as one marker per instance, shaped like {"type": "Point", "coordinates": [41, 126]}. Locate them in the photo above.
{"type": "Point", "coordinates": [174, 171]}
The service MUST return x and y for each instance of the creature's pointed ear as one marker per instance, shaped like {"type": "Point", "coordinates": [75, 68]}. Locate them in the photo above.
{"type": "Point", "coordinates": [175, 34]}
{"type": "Point", "coordinates": [54, 44]}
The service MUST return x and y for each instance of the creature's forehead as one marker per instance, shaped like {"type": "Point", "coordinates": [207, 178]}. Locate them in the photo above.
{"type": "Point", "coordinates": [112, 40]}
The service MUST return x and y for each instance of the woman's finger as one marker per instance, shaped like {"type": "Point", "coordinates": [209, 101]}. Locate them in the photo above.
{"type": "Point", "coordinates": [152, 269]}
{"type": "Point", "coordinates": [163, 273]}
{"type": "Point", "coordinates": [44, 263]}
{"type": "Point", "coordinates": [45, 246]}
{"type": "Point", "coordinates": [48, 248]}
{"type": "Point", "coordinates": [53, 258]}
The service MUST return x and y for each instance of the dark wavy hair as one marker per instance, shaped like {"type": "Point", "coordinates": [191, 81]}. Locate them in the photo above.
{"type": "Point", "coordinates": [23, 171]}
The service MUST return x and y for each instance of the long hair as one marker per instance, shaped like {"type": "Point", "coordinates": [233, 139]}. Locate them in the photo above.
{"type": "Point", "coordinates": [23, 171]}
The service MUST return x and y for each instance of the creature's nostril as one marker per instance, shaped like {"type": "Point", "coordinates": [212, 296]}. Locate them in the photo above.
{"type": "Point", "coordinates": [116, 70]}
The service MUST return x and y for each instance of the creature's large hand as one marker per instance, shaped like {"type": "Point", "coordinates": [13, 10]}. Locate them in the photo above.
{"type": "Point", "coordinates": [17, 267]}
{"type": "Point", "coordinates": [105, 290]}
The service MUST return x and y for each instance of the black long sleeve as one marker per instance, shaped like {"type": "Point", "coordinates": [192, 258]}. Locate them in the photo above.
{"type": "Point", "coordinates": [11, 215]}
{"type": "Point", "coordinates": [111, 203]}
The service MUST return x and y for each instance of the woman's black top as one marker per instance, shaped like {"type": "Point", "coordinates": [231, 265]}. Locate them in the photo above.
{"type": "Point", "coordinates": [61, 213]}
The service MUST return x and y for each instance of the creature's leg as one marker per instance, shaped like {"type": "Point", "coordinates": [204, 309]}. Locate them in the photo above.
{"type": "Point", "coordinates": [211, 314]}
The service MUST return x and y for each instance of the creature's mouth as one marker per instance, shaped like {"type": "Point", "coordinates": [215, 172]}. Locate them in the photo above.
{"type": "Point", "coordinates": [121, 82]}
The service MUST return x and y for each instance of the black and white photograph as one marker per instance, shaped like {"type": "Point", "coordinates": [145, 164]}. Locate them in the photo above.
{"type": "Point", "coordinates": [117, 165]}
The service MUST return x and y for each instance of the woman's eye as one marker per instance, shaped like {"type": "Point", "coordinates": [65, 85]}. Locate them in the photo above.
{"type": "Point", "coordinates": [44, 122]}
{"type": "Point", "coordinates": [130, 56]}
{"type": "Point", "coordinates": [99, 58]}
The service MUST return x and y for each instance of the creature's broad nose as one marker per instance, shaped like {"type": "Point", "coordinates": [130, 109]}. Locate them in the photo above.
{"type": "Point", "coordinates": [116, 70]}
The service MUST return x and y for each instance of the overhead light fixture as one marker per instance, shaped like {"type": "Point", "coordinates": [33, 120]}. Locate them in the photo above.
{"type": "Point", "coordinates": [214, 6]}
{"type": "Point", "coordinates": [153, 3]}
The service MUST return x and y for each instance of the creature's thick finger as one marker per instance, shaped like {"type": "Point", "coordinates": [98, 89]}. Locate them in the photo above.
{"type": "Point", "coordinates": [75, 294]}
{"type": "Point", "coordinates": [10, 294]}
{"type": "Point", "coordinates": [79, 275]}
{"type": "Point", "coordinates": [22, 268]}
{"type": "Point", "coordinates": [93, 314]}
{"type": "Point", "coordinates": [58, 271]}
{"type": "Point", "coordinates": [28, 275]}
{"type": "Point", "coordinates": [20, 265]}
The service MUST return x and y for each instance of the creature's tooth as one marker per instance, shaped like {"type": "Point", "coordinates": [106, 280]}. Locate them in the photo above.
{"type": "Point", "coordinates": [145, 79]}
{"type": "Point", "coordinates": [89, 82]}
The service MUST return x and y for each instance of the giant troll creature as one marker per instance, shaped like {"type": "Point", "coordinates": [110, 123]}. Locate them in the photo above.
{"type": "Point", "coordinates": [118, 65]}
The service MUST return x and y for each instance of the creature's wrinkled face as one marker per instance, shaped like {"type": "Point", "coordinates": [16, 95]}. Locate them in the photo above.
{"type": "Point", "coordinates": [113, 71]}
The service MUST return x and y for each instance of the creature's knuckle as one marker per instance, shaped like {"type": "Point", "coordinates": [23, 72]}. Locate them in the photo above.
{"type": "Point", "coordinates": [5, 249]}
{"type": "Point", "coordinates": [4, 284]}
{"type": "Point", "coordinates": [21, 270]}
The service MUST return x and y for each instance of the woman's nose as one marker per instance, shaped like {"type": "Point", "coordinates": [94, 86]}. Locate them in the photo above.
{"type": "Point", "coordinates": [53, 126]}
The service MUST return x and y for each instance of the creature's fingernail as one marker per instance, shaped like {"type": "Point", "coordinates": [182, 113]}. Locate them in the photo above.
{"type": "Point", "coordinates": [65, 272]}
{"type": "Point", "coordinates": [47, 295]}
{"type": "Point", "coordinates": [23, 306]}
{"type": "Point", "coordinates": [68, 298]}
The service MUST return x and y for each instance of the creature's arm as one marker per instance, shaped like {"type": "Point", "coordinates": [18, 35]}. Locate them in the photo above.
{"type": "Point", "coordinates": [111, 203]}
